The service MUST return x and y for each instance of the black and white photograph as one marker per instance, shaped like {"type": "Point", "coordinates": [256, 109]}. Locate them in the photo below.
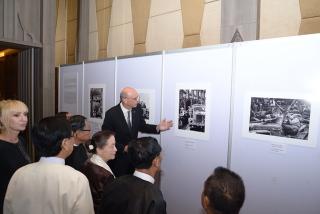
{"type": "Point", "coordinates": [146, 103]}
{"type": "Point", "coordinates": [96, 94]}
{"type": "Point", "coordinates": [192, 109]}
{"type": "Point", "coordinates": [145, 109]}
{"type": "Point", "coordinates": [280, 117]}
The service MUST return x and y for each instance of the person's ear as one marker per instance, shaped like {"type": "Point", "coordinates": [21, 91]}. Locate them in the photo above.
{"type": "Point", "coordinates": [125, 100]}
{"type": "Point", "coordinates": [98, 151]}
{"type": "Point", "coordinates": [64, 144]}
{"type": "Point", "coordinates": [156, 162]}
{"type": "Point", "coordinates": [205, 202]}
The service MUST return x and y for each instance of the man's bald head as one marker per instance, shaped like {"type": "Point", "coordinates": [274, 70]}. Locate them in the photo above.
{"type": "Point", "coordinates": [129, 97]}
{"type": "Point", "coordinates": [128, 92]}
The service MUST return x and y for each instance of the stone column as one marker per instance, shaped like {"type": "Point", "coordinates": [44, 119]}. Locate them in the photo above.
{"type": "Point", "coordinates": [83, 35]}
{"type": "Point", "coordinates": [239, 19]}
{"type": "Point", "coordinates": [48, 27]}
{"type": "Point", "coordinates": [310, 16]}
{"type": "Point", "coordinates": [192, 13]}
{"type": "Point", "coordinates": [140, 16]}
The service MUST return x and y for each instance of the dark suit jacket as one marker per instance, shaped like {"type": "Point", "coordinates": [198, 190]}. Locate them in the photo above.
{"type": "Point", "coordinates": [77, 158]}
{"type": "Point", "coordinates": [115, 121]}
{"type": "Point", "coordinates": [98, 178]}
{"type": "Point", "coordinates": [132, 195]}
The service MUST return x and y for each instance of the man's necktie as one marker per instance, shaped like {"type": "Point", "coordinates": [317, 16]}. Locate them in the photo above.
{"type": "Point", "coordinates": [129, 120]}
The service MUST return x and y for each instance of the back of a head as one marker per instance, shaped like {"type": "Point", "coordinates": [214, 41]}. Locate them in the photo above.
{"type": "Point", "coordinates": [77, 122]}
{"type": "Point", "coordinates": [99, 140]}
{"type": "Point", "coordinates": [225, 191]}
{"type": "Point", "coordinates": [63, 114]}
{"type": "Point", "coordinates": [48, 135]}
{"type": "Point", "coordinates": [142, 151]}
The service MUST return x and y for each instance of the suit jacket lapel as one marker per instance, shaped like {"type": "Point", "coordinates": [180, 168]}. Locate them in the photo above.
{"type": "Point", "coordinates": [133, 121]}
{"type": "Point", "coordinates": [123, 120]}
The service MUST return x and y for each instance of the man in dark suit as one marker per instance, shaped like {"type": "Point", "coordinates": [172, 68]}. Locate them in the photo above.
{"type": "Point", "coordinates": [137, 193]}
{"type": "Point", "coordinates": [126, 120]}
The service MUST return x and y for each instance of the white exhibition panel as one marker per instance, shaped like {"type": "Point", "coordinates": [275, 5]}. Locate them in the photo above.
{"type": "Point", "coordinates": [145, 75]}
{"type": "Point", "coordinates": [189, 157]}
{"type": "Point", "coordinates": [100, 76]}
{"type": "Point", "coordinates": [281, 176]}
{"type": "Point", "coordinates": [70, 88]}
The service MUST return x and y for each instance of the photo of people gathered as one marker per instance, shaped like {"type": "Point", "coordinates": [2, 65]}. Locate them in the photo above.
{"type": "Point", "coordinates": [281, 117]}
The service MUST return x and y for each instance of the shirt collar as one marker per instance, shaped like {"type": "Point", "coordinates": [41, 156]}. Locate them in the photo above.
{"type": "Point", "coordinates": [124, 110]}
{"type": "Point", "coordinates": [144, 176]}
{"type": "Point", "coordinates": [96, 159]}
{"type": "Point", "coordinates": [55, 160]}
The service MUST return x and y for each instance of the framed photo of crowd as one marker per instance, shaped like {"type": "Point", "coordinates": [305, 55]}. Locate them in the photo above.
{"type": "Point", "coordinates": [192, 110]}
{"type": "Point", "coordinates": [96, 102]}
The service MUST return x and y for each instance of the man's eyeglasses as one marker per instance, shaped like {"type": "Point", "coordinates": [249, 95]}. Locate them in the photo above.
{"type": "Point", "coordinates": [134, 98]}
{"type": "Point", "coordinates": [86, 130]}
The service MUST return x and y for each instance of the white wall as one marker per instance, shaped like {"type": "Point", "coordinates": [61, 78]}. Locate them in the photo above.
{"type": "Point", "coordinates": [277, 181]}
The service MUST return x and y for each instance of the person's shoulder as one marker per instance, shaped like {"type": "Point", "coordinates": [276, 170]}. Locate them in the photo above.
{"type": "Point", "coordinates": [123, 178]}
{"type": "Point", "coordinates": [123, 181]}
{"type": "Point", "coordinates": [90, 167]}
{"type": "Point", "coordinates": [24, 170]}
{"type": "Point", "coordinates": [114, 109]}
{"type": "Point", "coordinates": [5, 144]}
{"type": "Point", "coordinates": [73, 174]}
{"type": "Point", "coordinates": [153, 191]}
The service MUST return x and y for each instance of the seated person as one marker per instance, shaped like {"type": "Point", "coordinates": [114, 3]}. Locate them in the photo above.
{"type": "Point", "coordinates": [82, 133]}
{"type": "Point", "coordinates": [137, 193]}
{"type": "Point", "coordinates": [96, 168]}
{"type": "Point", "coordinates": [223, 192]}
{"type": "Point", "coordinates": [48, 186]}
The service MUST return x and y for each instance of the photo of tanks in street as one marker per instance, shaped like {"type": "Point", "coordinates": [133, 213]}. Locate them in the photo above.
{"type": "Point", "coordinates": [192, 109]}
{"type": "Point", "coordinates": [281, 117]}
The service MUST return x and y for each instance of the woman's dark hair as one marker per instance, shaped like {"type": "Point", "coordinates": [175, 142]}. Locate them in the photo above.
{"type": "Point", "coordinates": [77, 122]}
{"type": "Point", "coordinates": [142, 151]}
{"type": "Point", "coordinates": [99, 140]}
{"type": "Point", "coordinates": [48, 135]}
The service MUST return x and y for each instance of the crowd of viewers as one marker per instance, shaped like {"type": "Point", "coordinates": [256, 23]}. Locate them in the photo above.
{"type": "Point", "coordinates": [73, 174]}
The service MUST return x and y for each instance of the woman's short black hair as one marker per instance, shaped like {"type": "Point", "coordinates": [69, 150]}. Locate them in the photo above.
{"type": "Point", "coordinates": [99, 140]}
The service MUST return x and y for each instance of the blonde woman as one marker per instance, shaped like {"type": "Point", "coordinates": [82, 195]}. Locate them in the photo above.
{"type": "Point", "coordinates": [96, 168]}
{"type": "Point", "coordinates": [13, 120]}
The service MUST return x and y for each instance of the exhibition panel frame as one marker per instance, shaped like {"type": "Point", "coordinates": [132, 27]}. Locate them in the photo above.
{"type": "Point", "coordinates": [275, 137]}
{"type": "Point", "coordinates": [99, 91]}
{"type": "Point", "coordinates": [143, 73]}
{"type": "Point", "coordinates": [252, 107]}
{"type": "Point", "coordinates": [196, 96]}
{"type": "Point", "coordinates": [71, 88]}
